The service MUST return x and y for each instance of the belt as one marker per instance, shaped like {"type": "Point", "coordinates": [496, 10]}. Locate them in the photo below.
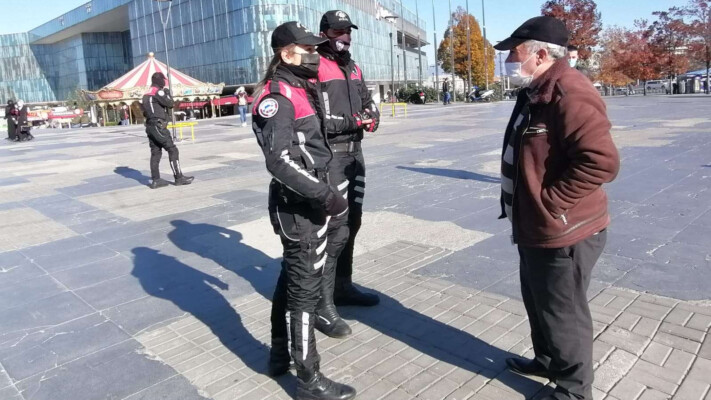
{"type": "Point", "coordinates": [348, 147]}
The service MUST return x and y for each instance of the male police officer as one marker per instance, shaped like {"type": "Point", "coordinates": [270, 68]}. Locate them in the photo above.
{"type": "Point", "coordinates": [156, 103]}
{"type": "Point", "coordinates": [345, 94]}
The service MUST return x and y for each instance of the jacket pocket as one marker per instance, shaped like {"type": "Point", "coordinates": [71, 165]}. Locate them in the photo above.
{"type": "Point", "coordinates": [288, 228]}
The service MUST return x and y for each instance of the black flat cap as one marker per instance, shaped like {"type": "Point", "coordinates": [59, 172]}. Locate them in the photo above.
{"type": "Point", "coordinates": [336, 19]}
{"type": "Point", "coordinates": [293, 32]}
{"type": "Point", "coordinates": [543, 29]}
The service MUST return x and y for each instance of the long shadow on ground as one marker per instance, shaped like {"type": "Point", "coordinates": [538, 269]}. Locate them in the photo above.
{"type": "Point", "coordinates": [197, 293]}
{"type": "Point", "coordinates": [420, 332]}
{"type": "Point", "coordinates": [453, 173]}
{"type": "Point", "coordinates": [134, 174]}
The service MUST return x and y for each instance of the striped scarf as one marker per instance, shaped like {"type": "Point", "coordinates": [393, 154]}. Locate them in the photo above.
{"type": "Point", "coordinates": [509, 158]}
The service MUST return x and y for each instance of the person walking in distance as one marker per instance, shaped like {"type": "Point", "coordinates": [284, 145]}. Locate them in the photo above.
{"type": "Point", "coordinates": [242, 102]}
{"type": "Point", "coordinates": [445, 92]}
{"type": "Point", "coordinates": [155, 104]}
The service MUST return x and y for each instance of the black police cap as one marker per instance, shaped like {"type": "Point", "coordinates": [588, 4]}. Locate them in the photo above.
{"type": "Point", "coordinates": [544, 29]}
{"type": "Point", "coordinates": [293, 32]}
{"type": "Point", "coordinates": [336, 19]}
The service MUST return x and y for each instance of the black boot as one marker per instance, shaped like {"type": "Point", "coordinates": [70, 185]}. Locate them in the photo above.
{"type": "Point", "coordinates": [279, 358]}
{"type": "Point", "coordinates": [158, 183]}
{"type": "Point", "coordinates": [328, 321]}
{"type": "Point", "coordinates": [315, 386]}
{"type": "Point", "coordinates": [180, 179]}
{"type": "Point", "coordinates": [346, 294]}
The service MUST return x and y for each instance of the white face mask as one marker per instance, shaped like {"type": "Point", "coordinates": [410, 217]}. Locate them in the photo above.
{"type": "Point", "coordinates": [572, 62]}
{"type": "Point", "coordinates": [513, 70]}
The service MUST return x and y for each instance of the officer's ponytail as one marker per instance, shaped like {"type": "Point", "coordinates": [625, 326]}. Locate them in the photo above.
{"type": "Point", "coordinates": [271, 69]}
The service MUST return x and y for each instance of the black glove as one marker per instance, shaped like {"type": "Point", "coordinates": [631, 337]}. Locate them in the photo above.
{"type": "Point", "coordinates": [375, 116]}
{"type": "Point", "coordinates": [335, 204]}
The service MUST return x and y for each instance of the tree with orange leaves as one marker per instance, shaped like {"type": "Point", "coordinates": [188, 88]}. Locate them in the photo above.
{"type": "Point", "coordinates": [612, 41]}
{"type": "Point", "coordinates": [635, 56]}
{"type": "Point", "coordinates": [669, 39]}
{"type": "Point", "coordinates": [460, 49]}
{"type": "Point", "coordinates": [582, 19]}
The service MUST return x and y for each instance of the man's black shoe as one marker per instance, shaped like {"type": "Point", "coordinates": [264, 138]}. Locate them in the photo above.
{"type": "Point", "coordinates": [158, 183]}
{"type": "Point", "coordinates": [346, 294]}
{"type": "Point", "coordinates": [527, 367]}
{"type": "Point", "coordinates": [321, 388]}
{"type": "Point", "coordinates": [279, 357]}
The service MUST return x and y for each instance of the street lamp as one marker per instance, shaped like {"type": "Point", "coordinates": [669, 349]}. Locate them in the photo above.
{"type": "Point", "coordinates": [436, 72]}
{"type": "Point", "coordinates": [167, 61]}
{"type": "Point", "coordinates": [391, 19]}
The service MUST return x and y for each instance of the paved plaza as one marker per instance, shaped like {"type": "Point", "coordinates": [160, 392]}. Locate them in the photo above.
{"type": "Point", "coordinates": [110, 290]}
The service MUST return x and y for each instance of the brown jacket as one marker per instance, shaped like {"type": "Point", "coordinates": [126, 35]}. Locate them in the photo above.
{"type": "Point", "coordinates": [566, 153]}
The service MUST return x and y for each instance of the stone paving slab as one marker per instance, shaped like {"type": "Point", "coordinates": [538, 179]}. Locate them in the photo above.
{"type": "Point", "coordinates": [431, 339]}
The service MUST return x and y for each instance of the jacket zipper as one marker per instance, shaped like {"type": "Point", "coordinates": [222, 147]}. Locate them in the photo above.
{"type": "Point", "coordinates": [576, 226]}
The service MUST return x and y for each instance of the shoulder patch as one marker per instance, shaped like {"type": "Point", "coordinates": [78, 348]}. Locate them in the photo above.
{"type": "Point", "coordinates": [268, 108]}
{"type": "Point", "coordinates": [161, 93]}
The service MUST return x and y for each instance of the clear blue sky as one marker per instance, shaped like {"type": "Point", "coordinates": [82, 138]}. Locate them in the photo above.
{"type": "Point", "coordinates": [502, 16]}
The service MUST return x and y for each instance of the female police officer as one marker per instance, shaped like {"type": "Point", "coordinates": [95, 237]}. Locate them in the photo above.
{"type": "Point", "coordinates": [288, 122]}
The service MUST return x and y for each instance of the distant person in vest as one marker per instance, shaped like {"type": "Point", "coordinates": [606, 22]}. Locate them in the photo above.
{"type": "Point", "coordinates": [242, 102]}
{"type": "Point", "coordinates": [155, 104]}
{"type": "Point", "coordinates": [344, 93]}
{"type": "Point", "coordinates": [288, 124]}
{"type": "Point", "coordinates": [445, 92]}
{"type": "Point", "coordinates": [11, 117]}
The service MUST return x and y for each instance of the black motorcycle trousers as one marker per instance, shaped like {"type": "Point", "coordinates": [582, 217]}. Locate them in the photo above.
{"type": "Point", "coordinates": [302, 229]}
{"type": "Point", "coordinates": [349, 166]}
{"type": "Point", "coordinates": [159, 138]}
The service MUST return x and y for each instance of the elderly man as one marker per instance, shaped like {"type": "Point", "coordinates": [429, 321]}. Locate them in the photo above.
{"type": "Point", "coordinates": [557, 153]}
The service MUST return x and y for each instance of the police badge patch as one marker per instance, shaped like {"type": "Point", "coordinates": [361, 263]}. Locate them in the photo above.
{"type": "Point", "coordinates": [268, 108]}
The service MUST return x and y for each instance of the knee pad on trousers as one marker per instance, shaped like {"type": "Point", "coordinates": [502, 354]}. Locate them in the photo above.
{"type": "Point", "coordinates": [173, 154]}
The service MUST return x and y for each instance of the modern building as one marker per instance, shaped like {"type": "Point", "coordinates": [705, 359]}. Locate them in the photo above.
{"type": "Point", "coordinates": [212, 40]}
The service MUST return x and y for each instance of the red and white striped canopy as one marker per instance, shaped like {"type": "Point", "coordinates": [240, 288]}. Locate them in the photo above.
{"type": "Point", "coordinates": [141, 76]}
{"type": "Point", "coordinates": [134, 84]}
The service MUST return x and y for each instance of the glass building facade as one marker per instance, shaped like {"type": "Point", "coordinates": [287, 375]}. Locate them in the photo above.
{"type": "Point", "coordinates": [212, 40]}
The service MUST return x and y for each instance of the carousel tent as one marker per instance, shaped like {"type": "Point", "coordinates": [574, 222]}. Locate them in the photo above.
{"type": "Point", "coordinates": [131, 86]}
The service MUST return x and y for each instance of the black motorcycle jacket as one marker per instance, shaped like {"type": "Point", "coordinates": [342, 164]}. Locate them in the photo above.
{"type": "Point", "coordinates": [344, 93]}
{"type": "Point", "coordinates": [288, 121]}
{"type": "Point", "coordinates": [155, 104]}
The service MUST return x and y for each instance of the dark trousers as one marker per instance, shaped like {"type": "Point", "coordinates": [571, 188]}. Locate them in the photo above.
{"type": "Point", "coordinates": [303, 235]}
{"type": "Point", "coordinates": [351, 167]}
{"type": "Point", "coordinates": [554, 284]}
{"type": "Point", "coordinates": [11, 129]}
{"type": "Point", "coordinates": [159, 138]}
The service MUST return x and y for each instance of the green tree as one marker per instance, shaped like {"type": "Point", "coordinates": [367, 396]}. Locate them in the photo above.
{"type": "Point", "coordinates": [459, 37]}
{"type": "Point", "coordinates": [76, 96]}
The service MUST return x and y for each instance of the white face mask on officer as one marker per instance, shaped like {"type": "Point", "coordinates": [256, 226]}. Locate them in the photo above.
{"type": "Point", "coordinates": [514, 71]}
